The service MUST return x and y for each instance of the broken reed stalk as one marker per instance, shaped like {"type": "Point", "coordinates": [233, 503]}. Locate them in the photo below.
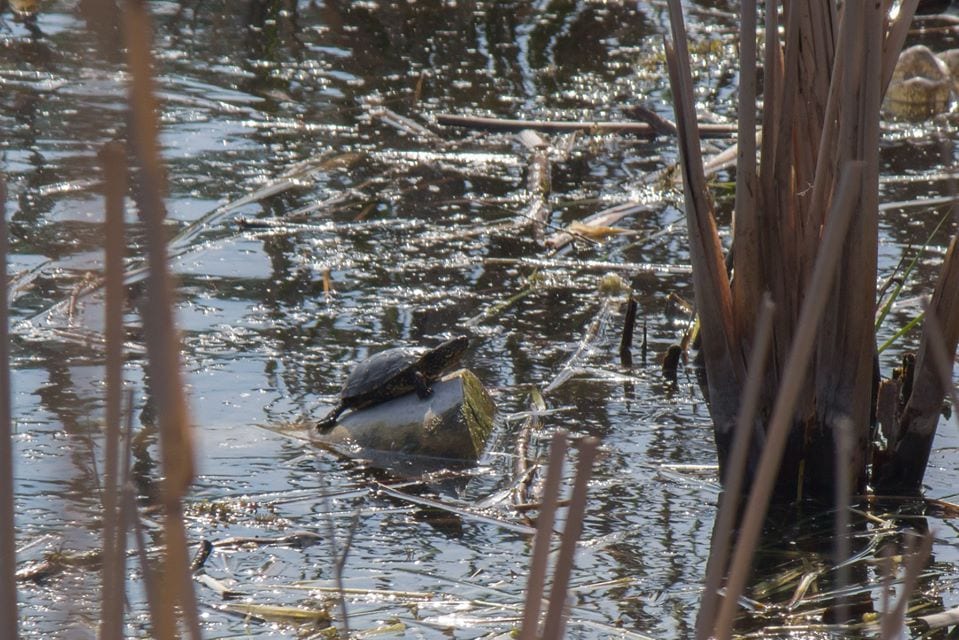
{"type": "Point", "coordinates": [555, 624]}
{"type": "Point", "coordinates": [780, 423]}
{"type": "Point", "coordinates": [729, 501]}
{"type": "Point", "coordinates": [903, 466]}
{"type": "Point", "coordinates": [543, 538]}
{"type": "Point", "coordinates": [113, 160]}
{"type": "Point", "coordinates": [538, 181]}
{"type": "Point", "coordinates": [8, 553]}
{"type": "Point", "coordinates": [161, 338]}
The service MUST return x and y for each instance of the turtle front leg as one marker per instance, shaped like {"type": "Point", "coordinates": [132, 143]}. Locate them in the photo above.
{"type": "Point", "coordinates": [328, 421]}
{"type": "Point", "coordinates": [422, 384]}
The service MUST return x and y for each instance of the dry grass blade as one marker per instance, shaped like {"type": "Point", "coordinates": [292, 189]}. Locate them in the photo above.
{"type": "Point", "coordinates": [593, 331]}
{"type": "Point", "coordinates": [555, 623]}
{"type": "Point", "coordinates": [780, 423]}
{"type": "Point", "coordinates": [735, 471]}
{"type": "Point", "coordinates": [8, 560]}
{"type": "Point", "coordinates": [161, 339]}
{"type": "Point", "coordinates": [543, 537]}
{"type": "Point", "coordinates": [111, 608]}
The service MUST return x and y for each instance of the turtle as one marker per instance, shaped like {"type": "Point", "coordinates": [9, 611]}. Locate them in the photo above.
{"type": "Point", "coordinates": [393, 373]}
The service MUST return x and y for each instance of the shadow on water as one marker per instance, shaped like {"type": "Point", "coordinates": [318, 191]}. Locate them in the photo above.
{"type": "Point", "coordinates": [291, 168]}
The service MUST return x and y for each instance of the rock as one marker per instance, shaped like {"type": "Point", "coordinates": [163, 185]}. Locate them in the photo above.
{"type": "Point", "coordinates": [921, 85]}
{"type": "Point", "coordinates": [453, 423]}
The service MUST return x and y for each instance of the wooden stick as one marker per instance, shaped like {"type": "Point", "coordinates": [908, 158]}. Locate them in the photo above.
{"type": "Point", "coordinates": [8, 559]}
{"type": "Point", "coordinates": [794, 374]}
{"type": "Point", "coordinates": [513, 126]}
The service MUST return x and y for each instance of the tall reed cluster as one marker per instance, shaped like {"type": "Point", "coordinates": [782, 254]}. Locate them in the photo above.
{"type": "Point", "coordinates": [812, 188]}
{"type": "Point", "coordinates": [789, 339]}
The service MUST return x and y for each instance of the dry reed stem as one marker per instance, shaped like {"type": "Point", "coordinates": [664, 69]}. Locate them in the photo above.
{"type": "Point", "coordinates": [735, 476]}
{"type": "Point", "coordinates": [115, 180]}
{"type": "Point", "coordinates": [543, 538]}
{"type": "Point", "coordinates": [845, 442]}
{"type": "Point", "coordinates": [794, 375]}
{"type": "Point", "coordinates": [846, 340]}
{"type": "Point", "coordinates": [8, 553]}
{"type": "Point", "coordinates": [943, 353]}
{"type": "Point", "coordinates": [163, 625]}
{"type": "Point", "coordinates": [161, 339]}
{"type": "Point", "coordinates": [710, 281]}
{"type": "Point", "coordinates": [747, 284]}
{"type": "Point", "coordinates": [826, 161]}
{"type": "Point", "coordinates": [555, 623]}
{"type": "Point", "coordinates": [905, 468]}
{"type": "Point", "coordinates": [892, 622]}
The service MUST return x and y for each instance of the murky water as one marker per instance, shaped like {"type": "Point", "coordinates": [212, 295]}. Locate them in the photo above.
{"type": "Point", "coordinates": [286, 161]}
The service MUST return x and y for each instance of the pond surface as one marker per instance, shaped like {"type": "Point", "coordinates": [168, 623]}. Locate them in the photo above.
{"type": "Point", "coordinates": [291, 161]}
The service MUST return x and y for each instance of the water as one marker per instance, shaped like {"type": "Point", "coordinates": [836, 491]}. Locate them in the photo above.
{"type": "Point", "coordinates": [291, 103]}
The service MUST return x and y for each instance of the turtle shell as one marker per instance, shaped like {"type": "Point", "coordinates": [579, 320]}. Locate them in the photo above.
{"type": "Point", "coordinates": [383, 375]}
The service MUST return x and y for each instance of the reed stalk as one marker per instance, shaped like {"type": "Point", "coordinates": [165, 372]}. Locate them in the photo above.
{"type": "Point", "coordinates": [794, 374]}
{"type": "Point", "coordinates": [543, 538]}
{"type": "Point", "coordinates": [161, 338]}
{"type": "Point", "coordinates": [904, 465]}
{"type": "Point", "coordinates": [8, 561]}
{"type": "Point", "coordinates": [730, 500]}
{"type": "Point", "coordinates": [554, 625]}
{"type": "Point", "coordinates": [114, 560]}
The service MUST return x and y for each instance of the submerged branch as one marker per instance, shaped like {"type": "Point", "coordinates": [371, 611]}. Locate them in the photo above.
{"type": "Point", "coordinates": [513, 126]}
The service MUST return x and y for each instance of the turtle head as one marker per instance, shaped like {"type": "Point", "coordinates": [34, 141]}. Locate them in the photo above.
{"type": "Point", "coordinates": [443, 356]}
